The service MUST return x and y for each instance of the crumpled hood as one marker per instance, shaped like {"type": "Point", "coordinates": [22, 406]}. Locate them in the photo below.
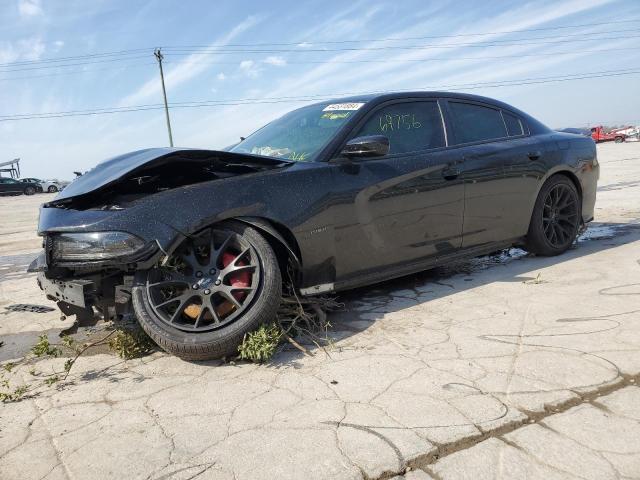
{"type": "Point", "coordinates": [111, 171]}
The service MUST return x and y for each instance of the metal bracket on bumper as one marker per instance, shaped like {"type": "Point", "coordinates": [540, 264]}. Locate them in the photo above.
{"type": "Point", "coordinates": [73, 292]}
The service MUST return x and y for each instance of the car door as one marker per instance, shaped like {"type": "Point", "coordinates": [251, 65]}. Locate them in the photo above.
{"type": "Point", "coordinates": [524, 168]}
{"type": "Point", "coordinates": [481, 134]}
{"type": "Point", "coordinates": [8, 185]}
{"type": "Point", "coordinates": [406, 206]}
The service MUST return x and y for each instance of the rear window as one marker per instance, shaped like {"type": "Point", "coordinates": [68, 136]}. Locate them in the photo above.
{"type": "Point", "coordinates": [513, 123]}
{"type": "Point", "coordinates": [475, 123]}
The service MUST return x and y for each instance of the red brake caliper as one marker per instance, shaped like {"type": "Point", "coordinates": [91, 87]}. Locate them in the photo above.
{"type": "Point", "coordinates": [237, 279]}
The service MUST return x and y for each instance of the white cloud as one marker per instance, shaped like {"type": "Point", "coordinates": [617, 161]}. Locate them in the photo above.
{"type": "Point", "coordinates": [29, 8]}
{"type": "Point", "coordinates": [104, 136]}
{"type": "Point", "coordinates": [58, 44]}
{"type": "Point", "coordinates": [323, 78]}
{"type": "Point", "coordinates": [416, 66]}
{"type": "Point", "coordinates": [249, 68]}
{"type": "Point", "coordinates": [189, 68]}
{"type": "Point", "coordinates": [32, 49]}
{"type": "Point", "coordinates": [276, 61]}
{"type": "Point", "coordinates": [27, 49]}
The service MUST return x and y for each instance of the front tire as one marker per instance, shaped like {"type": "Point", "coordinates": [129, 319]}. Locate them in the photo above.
{"type": "Point", "coordinates": [29, 191]}
{"type": "Point", "coordinates": [216, 287]}
{"type": "Point", "coordinates": [556, 217]}
{"type": "Point", "coordinates": [52, 189]}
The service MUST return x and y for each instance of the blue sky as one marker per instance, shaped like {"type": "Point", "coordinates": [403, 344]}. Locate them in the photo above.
{"type": "Point", "coordinates": [38, 30]}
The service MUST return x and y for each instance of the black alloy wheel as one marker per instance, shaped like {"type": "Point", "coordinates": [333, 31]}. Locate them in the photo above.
{"type": "Point", "coordinates": [206, 286]}
{"type": "Point", "coordinates": [560, 215]}
{"type": "Point", "coordinates": [29, 190]}
{"type": "Point", "coordinates": [556, 217]}
{"type": "Point", "coordinates": [217, 286]}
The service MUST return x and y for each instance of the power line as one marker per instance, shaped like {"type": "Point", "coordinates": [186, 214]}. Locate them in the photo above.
{"type": "Point", "coordinates": [363, 49]}
{"type": "Point", "coordinates": [83, 70]}
{"type": "Point", "coordinates": [41, 67]}
{"type": "Point", "coordinates": [122, 53]}
{"type": "Point", "coordinates": [292, 99]}
{"type": "Point", "coordinates": [421, 60]}
{"type": "Point", "coordinates": [196, 48]}
{"type": "Point", "coordinates": [398, 39]}
{"type": "Point", "coordinates": [77, 57]}
{"type": "Point", "coordinates": [496, 43]}
{"type": "Point", "coordinates": [324, 62]}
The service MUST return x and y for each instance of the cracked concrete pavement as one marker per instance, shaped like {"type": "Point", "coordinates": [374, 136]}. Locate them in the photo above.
{"type": "Point", "coordinates": [508, 366]}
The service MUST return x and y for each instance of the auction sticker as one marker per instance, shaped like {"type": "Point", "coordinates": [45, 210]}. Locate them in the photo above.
{"type": "Point", "coordinates": [342, 106]}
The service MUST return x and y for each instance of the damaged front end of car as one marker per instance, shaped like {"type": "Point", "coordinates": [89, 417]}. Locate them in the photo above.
{"type": "Point", "coordinates": [101, 230]}
{"type": "Point", "coordinates": [92, 272]}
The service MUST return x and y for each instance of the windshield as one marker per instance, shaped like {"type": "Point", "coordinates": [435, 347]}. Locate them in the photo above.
{"type": "Point", "coordinates": [299, 135]}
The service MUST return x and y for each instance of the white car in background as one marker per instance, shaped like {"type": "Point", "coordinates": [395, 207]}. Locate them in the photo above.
{"type": "Point", "coordinates": [50, 186]}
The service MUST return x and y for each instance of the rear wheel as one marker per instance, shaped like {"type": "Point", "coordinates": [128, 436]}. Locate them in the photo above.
{"type": "Point", "coordinates": [216, 287]}
{"type": "Point", "coordinates": [52, 189]}
{"type": "Point", "coordinates": [29, 191]}
{"type": "Point", "coordinates": [619, 139]}
{"type": "Point", "coordinates": [556, 217]}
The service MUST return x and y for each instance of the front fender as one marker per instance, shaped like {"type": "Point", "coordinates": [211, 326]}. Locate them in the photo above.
{"type": "Point", "coordinates": [266, 227]}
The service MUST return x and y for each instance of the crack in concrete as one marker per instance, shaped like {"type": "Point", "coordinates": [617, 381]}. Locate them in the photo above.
{"type": "Point", "coordinates": [444, 450]}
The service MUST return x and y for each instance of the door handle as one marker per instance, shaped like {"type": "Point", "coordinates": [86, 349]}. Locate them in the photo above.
{"type": "Point", "coordinates": [534, 155]}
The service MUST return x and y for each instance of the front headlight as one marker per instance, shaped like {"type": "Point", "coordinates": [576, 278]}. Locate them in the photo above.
{"type": "Point", "coordinates": [94, 246]}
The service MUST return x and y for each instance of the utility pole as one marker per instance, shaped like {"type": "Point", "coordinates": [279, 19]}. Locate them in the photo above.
{"type": "Point", "coordinates": [159, 57]}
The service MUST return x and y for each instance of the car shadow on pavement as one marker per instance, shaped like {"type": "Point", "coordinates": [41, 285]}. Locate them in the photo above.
{"type": "Point", "coordinates": [364, 306]}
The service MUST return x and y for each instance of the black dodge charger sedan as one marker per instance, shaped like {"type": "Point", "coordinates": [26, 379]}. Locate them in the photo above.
{"type": "Point", "coordinates": [331, 196]}
{"type": "Point", "coordinates": [10, 186]}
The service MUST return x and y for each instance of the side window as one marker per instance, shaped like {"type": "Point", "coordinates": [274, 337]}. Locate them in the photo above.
{"type": "Point", "coordinates": [513, 123]}
{"type": "Point", "coordinates": [474, 123]}
{"type": "Point", "coordinates": [409, 126]}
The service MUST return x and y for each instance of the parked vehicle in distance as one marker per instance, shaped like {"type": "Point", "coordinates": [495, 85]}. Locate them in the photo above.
{"type": "Point", "coordinates": [630, 132]}
{"type": "Point", "coordinates": [331, 196]}
{"type": "Point", "coordinates": [577, 131]}
{"type": "Point", "coordinates": [50, 186]}
{"type": "Point", "coordinates": [10, 186]}
{"type": "Point", "coordinates": [599, 135]}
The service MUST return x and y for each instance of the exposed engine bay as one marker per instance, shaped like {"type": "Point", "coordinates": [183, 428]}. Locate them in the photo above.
{"type": "Point", "coordinates": [161, 170]}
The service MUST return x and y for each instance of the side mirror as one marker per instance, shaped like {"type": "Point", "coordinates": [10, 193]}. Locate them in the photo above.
{"type": "Point", "coordinates": [369, 146]}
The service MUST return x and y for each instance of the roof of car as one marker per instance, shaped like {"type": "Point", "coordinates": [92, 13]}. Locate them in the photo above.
{"type": "Point", "coordinates": [412, 94]}
{"type": "Point", "coordinates": [382, 97]}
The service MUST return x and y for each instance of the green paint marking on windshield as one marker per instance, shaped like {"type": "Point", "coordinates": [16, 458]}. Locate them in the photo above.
{"type": "Point", "coordinates": [299, 135]}
{"type": "Point", "coordinates": [298, 157]}
{"type": "Point", "coordinates": [397, 121]}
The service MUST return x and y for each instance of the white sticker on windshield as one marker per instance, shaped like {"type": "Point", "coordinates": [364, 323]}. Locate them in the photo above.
{"type": "Point", "coordinates": [342, 106]}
